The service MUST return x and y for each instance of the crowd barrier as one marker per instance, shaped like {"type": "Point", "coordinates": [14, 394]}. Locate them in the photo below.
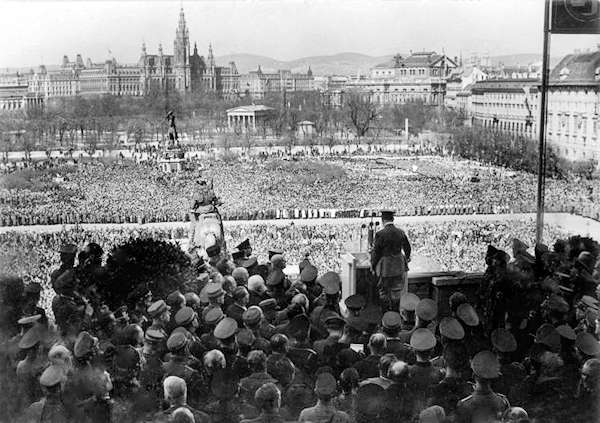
{"type": "Point", "coordinates": [294, 214]}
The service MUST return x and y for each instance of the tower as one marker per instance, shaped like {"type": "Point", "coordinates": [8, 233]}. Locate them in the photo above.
{"type": "Point", "coordinates": [211, 58]}
{"type": "Point", "coordinates": [181, 55]}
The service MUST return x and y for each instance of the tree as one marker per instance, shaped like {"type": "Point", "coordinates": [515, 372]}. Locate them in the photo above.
{"type": "Point", "coordinates": [361, 112]}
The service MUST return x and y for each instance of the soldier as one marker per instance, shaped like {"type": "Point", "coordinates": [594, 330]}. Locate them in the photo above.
{"type": "Point", "coordinates": [252, 319]}
{"type": "Point", "coordinates": [355, 304]}
{"type": "Point", "coordinates": [408, 305]}
{"type": "Point", "coordinates": [324, 411]}
{"type": "Point", "coordinates": [269, 309]}
{"type": "Point", "coordinates": [175, 393]}
{"type": "Point", "coordinates": [453, 387]}
{"type": "Point", "coordinates": [68, 253]}
{"type": "Point", "coordinates": [241, 299]}
{"type": "Point", "coordinates": [31, 367]}
{"type": "Point", "coordinates": [391, 323]}
{"type": "Point", "coordinates": [512, 374]}
{"type": "Point", "coordinates": [308, 276]}
{"type": "Point", "coordinates": [277, 282]}
{"type": "Point", "coordinates": [484, 404]}
{"type": "Point", "coordinates": [175, 300]}
{"type": "Point", "coordinates": [334, 325]}
{"type": "Point", "coordinates": [331, 284]}
{"type": "Point", "coordinates": [211, 319]}
{"type": "Point", "coordinates": [187, 318]}
{"type": "Point", "coordinates": [160, 313]}
{"type": "Point", "coordinates": [127, 361]}
{"type": "Point", "coordinates": [257, 361]}
{"type": "Point", "coordinates": [216, 298]}
{"type": "Point", "coordinates": [50, 408]}
{"type": "Point", "coordinates": [422, 374]}
{"type": "Point", "coordinates": [225, 332]}
{"type": "Point", "coordinates": [151, 373]}
{"type": "Point", "coordinates": [399, 397]}
{"type": "Point", "coordinates": [178, 365]}
{"type": "Point", "coordinates": [268, 400]}
{"type": "Point", "coordinates": [389, 261]}
{"type": "Point", "coordinates": [70, 310]}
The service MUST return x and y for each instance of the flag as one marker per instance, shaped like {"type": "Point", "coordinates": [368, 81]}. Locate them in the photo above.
{"type": "Point", "coordinates": [575, 17]}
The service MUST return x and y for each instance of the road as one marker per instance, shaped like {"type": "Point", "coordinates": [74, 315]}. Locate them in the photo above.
{"type": "Point", "coordinates": [571, 223]}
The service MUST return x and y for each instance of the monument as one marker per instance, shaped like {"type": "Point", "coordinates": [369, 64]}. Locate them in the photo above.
{"type": "Point", "coordinates": [172, 157]}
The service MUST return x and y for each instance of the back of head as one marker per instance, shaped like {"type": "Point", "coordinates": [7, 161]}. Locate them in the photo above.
{"type": "Point", "coordinates": [214, 359]}
{"type": "Point", "coordinates": [279, 343]}
{"type": "Point", "coordinates": [182, 415]}
{"type": "Point", "coordinates": [268, 397]}
{"type": "Point", "coordinates": [175, 389]}
{"type": "Point", "coordinates": [385, 362]}
{"type": "Point", "coordinates": [399, 372]}
{"type": "Point", "coordinates": [257, 360]}
{"type": "Point", "coordinates": [349, 379]}
{"type": "Point", "coordinates": [377, 343]}
{"type": "Point", "coordinates": [433, 414]}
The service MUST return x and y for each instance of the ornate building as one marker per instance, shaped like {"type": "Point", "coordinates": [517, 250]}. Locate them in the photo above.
{"type": "Point", "coordinates": [419, 76]}
{"type": "Point", "coordinates": [258, 83]}
{"type": "Point", "coordinates": [183, 71]}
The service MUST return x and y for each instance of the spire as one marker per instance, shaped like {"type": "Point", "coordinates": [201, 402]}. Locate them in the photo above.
{"type": "Point", "coordinates": [309, 72]}
{"type": "Point", "coordinates": [195, 49]}
{"type": "Point", "coordinates": [211, 57]}
{"type": "Point", "coordinates": [143, 48]}
{"type": "Point", "coordinates": [160, 52]}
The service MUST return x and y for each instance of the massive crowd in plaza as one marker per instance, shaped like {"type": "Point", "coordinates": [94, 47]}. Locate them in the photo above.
{"type": "Point", "coordinates": [257, 188]}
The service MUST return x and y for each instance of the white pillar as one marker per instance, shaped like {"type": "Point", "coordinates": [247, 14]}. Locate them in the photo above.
{"type": "Point", "coordinates": [254, 121]}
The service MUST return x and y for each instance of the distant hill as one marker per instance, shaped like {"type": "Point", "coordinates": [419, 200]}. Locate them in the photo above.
{"type": "Point", "coordinates": [341, 63]}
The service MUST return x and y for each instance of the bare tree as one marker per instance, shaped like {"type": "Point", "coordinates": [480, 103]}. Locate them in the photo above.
{"type": "Point", "coordinates": [361, 112]}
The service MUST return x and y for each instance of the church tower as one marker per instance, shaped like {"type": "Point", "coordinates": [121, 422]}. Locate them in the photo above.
{"type": "Point", "coordinates": [181, 55]}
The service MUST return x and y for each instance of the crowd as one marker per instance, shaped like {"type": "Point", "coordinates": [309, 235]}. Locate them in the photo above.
{"type": "Point", "coordinates": [118, 192]}
{"type": "Point", "coordinates": [242, 342]}
{"type": "Point", "coordinates": [452, 245]}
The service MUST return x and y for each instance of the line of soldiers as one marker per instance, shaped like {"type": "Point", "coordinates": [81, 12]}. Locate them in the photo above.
{"type": "Point", "coordinates": [253, 348]}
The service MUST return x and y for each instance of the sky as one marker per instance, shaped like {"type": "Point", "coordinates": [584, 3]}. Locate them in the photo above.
{"type": "Point", "coordinates": [42, 31]}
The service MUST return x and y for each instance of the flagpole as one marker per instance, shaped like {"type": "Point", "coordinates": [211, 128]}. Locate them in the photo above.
{"type": "Point", "coordinates": [542, 127]}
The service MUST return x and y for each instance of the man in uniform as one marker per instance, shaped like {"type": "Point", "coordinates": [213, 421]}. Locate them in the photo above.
{"type": "Point", "coordinates": [390, 326]}
{"type": "Point", "coordinates": [216, 298]}
{"type": "Point", "coordinates": [257, 290]}
{"type": "Point", "coordinates": [484, 404]}
{"type": "Point", "coordinates": [240, 302]}
{"type": "Point", "coordinates": [257, 361]}
{"type": "Point", "coordinates": [324, 411]}
{"type": "Point", "coordinates": [278, 364]}
{"type": "Point", "coordinates": [67, 262]}
{"type": "Point", "coordinates": [245, 248]}
{"type": "Point", "coordinates": [178, 365]}
{"type": "Point", "coordinates": [50, 408]}
{"type": "Point", "coordinates": [389, 261]}
{"type": "Point", "coordinates": [160, 313]}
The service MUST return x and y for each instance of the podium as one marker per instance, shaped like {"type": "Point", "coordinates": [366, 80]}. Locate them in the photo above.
{"type": "Point", "coordinates": [357, 277]}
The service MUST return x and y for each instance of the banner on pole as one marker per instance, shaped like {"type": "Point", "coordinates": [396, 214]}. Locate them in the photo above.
{"type": "Point", "coordinates": [575, 17]}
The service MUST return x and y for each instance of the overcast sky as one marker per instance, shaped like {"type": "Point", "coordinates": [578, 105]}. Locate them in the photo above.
{"type": "Point", "coordinates": [32, 32]}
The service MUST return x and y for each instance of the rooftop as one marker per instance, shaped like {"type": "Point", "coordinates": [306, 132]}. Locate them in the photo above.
{"type": "Point", "coordinates": [250, 109]}
{"type": "Point", "coordinates": [577, 69]}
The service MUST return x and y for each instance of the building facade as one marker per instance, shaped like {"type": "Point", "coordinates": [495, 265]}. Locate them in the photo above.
{"type": "Point", "coordinates": [419, 76]}
{"type": "Point", "coordinates": [183, 71]}
{"type": "Point", "coordinates": [15, 97]}
{"type": "Point", "coordinates": [257, 84]}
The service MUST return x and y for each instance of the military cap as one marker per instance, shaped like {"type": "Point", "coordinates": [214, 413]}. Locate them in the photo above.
{"type": "Point", "coordinates": [274, 252]}
{"type": "Point", "coordinates": [26, 320]}
{"type": "Point", "coordinates": [214, 316]}
{"type": "Point", "coordinates": [157, 308]}
{"type": "Point", "coordinates": [236, 255]}
{"type": "Point", "coordinates": [467, 314]}
{"type": "Point", "coordinates": [192, 299]}
{"type": "Point", "coordinates": [268, 304]}
{"type": "Point", "coordinates": [548, 336]}
{"type": "Point", "coordinates": [422, 340]}
{"type": "Point", "coordinates": [31, 338]}
{"type": "Point", "coordinates": [184, 316]}
{"type": "Point", "coordinates": [426, 309]}
{"type": "Point", "coordinates": [252, 315]}
{"type": "Point", "coordinates": [240, 273]}
{"type": "Point", "coordinates": [84, 344]}
{"type": "Point", "coordinates": [309, 273]}
{"type": "Point", "coordinates": [214, 290]}
{"type": "Point", "coordinates": [409, 301]}
{"type": "Point", "coordinates": [325, 384]}
{"type": "Point", "coordinates": [503, 341]}
{"type": "Point", "coordinates": [387, 214]}
{"type": "Point", "coordinates": [370, 400]}
{"type": "Point", "coordinates": [275, 278]}
{"type": "Point", "coordinates": [486, 365]}
{"type": "Point", "coordinates": [245, 337]}
{"type": "Point", "coordinates": [154, 335]}
{"type": "Point", "coordinates": [558, 303]}
{"type": "Point", "coordinates": [176, 341]}
{"type": "Point", "coordinates": [391, 320]}
{"type": "Point", "coordinates": [451, 328]}
{"type": "Point", "coordinates": [249, 262]}
{"type": "Point", "coordinates": [68, 249]}
{"type": "Point", "coordinates": [334, 322]}
{"type": "Point", "coordinates": [226, 328]}
{"type": "Point", "coordinates": [244, 245]}
{"type": "Point", "coordinates": [267, 393]}
{"type": "Point", "coordinates": [371, 315]}
{"type": "Point", "coordinates": [355, 302]}
{"type": "Point", "coordinates": [356, 323]}
{"type": "Point", "coordinates": [33, 288]}
{"type": "Point", "coordinates": [330, 282]}
{"type": "Point", "coordinates": [213, 251]}
{"type": "Point", "coordinates": [586, 260]}
{"type": "Point", "coordinates": [589, 301]}
{"type": "Point", "coordinates": [587, 344]}
{"type": "Point", "coordinates": [175, 299]}
{"type": "Point", "coordinates": [566, 332]}
{"type": "Point", "coordinates": [300, 323]}
{"type": "Point", "coordinates": [182, 330]}
{"type": "Point", "coordinates": [52, 376]}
